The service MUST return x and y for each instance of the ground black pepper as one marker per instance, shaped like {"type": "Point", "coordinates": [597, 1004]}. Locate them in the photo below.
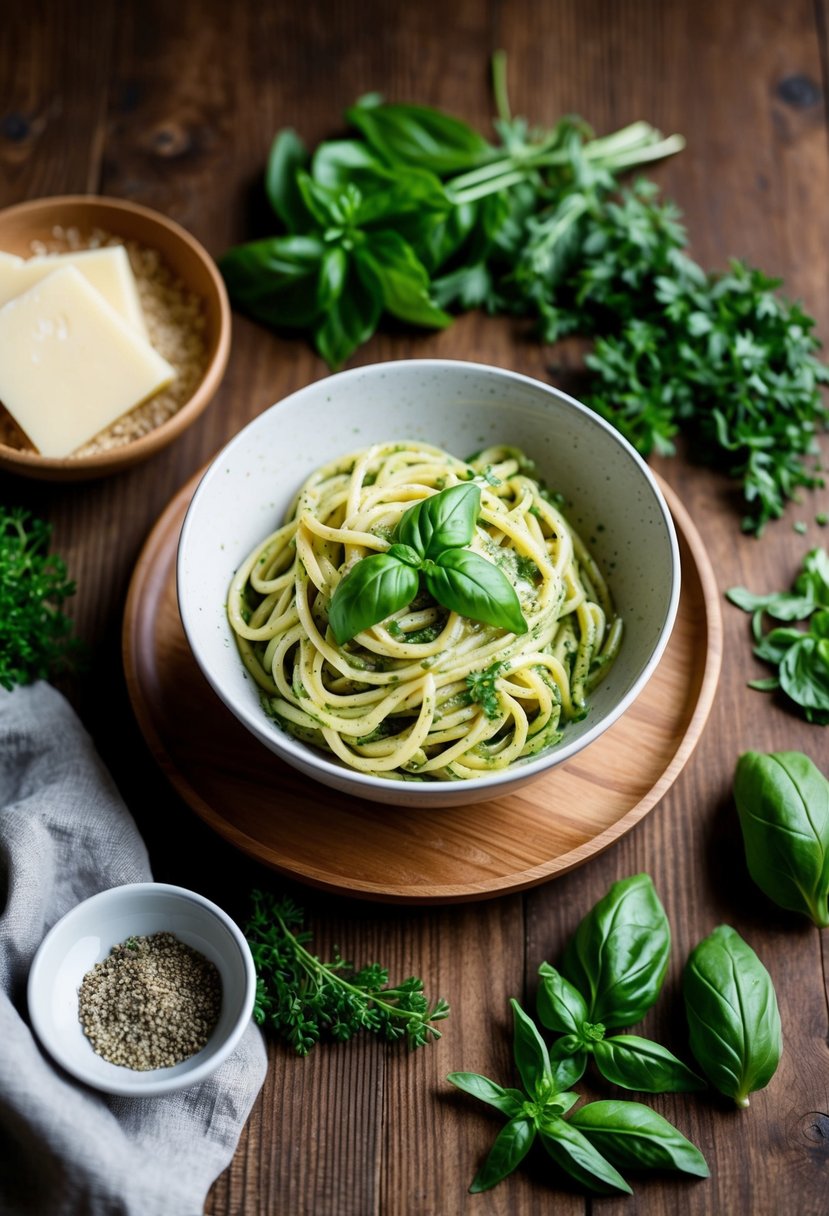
{"type": "Point", "coordinates": [152, 1003]}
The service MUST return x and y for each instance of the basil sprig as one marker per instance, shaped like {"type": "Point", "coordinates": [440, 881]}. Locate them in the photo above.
{"type": "Point", "coordinates": [587, 1145]}
{"type": "Point", "coordinates": [800, 656]}
{"type": "Point", "coordinates": [428, 543]}
{"type": "Point", "coordinates": [732, 1014]}
{"type": "Point", "coordinates": [783, 804]}
{"type": "Point", "coordinates": [612, 973]}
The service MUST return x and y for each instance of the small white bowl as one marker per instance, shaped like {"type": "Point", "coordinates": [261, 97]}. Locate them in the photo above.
{"type": "Point", "coordinates": [84, 937]}
{"type": "Point", "coordinates": [613, 501]}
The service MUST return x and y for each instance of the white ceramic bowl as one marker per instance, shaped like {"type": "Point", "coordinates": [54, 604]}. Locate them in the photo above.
{"type": "Point", "coordinates": [84, 937]}
{"type": "Point", "coordinates": [612, 497]}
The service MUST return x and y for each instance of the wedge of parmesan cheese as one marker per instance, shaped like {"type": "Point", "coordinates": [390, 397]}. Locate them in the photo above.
{"type": "Point", "coordinates": [108, 270]}
{"type": "Point", "coordinates": [70, 365]}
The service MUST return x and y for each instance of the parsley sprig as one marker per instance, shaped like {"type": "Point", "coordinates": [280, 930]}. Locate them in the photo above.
{"type": "Point", "coordinates": [36, 640]}
{"type": "Point", "coordinates": [301, 998]}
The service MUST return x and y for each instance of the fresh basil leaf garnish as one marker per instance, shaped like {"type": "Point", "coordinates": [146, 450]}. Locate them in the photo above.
{"type": "Point", "coordinates": [732, 1014]}
{"type": "Point", "coordinates": [474, 587]}
{"type": "Point", "coordinates": [442, 521]}
{"type": "Point", "coordinates": [373, 589]}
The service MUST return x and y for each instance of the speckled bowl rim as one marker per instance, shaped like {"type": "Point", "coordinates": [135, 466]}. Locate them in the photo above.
{"type": "Point", "coordinates": [26, 463]}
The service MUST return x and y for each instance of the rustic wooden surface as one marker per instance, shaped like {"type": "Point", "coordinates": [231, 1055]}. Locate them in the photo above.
{"type": "Point", "coordinates": [174, 106]}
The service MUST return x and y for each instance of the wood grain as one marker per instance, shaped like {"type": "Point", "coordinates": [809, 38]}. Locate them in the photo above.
{"type": "Point", "coordinates": [175, 106]}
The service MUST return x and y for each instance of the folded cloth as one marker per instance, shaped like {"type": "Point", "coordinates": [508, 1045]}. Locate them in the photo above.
{"type": "Point", "coordinates": [66, 1150]}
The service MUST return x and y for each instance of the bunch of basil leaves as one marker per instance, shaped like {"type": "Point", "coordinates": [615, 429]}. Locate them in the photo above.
{"type": "Point", "coordinates": [415, 213]}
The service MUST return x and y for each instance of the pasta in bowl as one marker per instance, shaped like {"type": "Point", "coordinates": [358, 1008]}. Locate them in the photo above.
{"type": "Point", "coordinates": [424, 689]}
{"type": "Point", "coordinates": [419, 682]}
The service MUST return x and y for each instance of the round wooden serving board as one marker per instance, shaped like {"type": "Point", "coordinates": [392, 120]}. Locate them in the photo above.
{"type": "Point", "coordinates": [351, 847]}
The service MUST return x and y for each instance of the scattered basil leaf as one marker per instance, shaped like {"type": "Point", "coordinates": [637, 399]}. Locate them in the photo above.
{"type": "Point", "coordinates": [618, 956]}
{"type": "Point", "coordinates": [508, 1101]}
{"type": "Point", "coordinates": [531, 1057]}
{"type": "Point", "coordinates": [561, 1007]}
{"type": "Point", "coordinates": [441, 521]}
{"type": "Point", "coordinates": [574, 1153]}
{"type": "Point", "coordinates": [511, 1146]}
{"type": "Point", "coordinates": [633, 1136]}
{"type": "Point", "coordinates": [373, 589]}
{"type": "Point", "coordinates": [640, 1064]}
{"type": "Point", "coordinates": [732, 1014]}
{"type": "Point", "coordinates": [474, 587]}
{"type": "Point", "coordinates": [783, 803]}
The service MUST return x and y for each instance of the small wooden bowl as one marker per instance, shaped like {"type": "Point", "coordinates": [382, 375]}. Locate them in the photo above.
{"type": "Point", "coordinates": [36, 221]}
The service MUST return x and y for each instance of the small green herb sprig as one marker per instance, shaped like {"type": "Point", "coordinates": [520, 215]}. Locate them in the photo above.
{"type": "Point", "coordinates": [801, 656]}
{"type": "Point", "coordinates": [36, 639]}
{"type": "Point", "coordinates": [301, 998]}
{"type": "Point", "coordinates": [783, 803]}
{"type": "Point", "coordinates": [430, 543]}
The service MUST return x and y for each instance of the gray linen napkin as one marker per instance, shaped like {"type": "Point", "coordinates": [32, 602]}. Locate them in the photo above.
{"type": "Point", "coordinates": [66, 1150]}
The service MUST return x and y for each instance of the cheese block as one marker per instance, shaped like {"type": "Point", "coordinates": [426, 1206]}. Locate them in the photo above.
{"type": "Point", "coordinates": [70, 365]}
{"type": "Point", "coordinates": [108, 270]}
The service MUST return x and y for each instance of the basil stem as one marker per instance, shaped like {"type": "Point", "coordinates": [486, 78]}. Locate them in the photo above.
{"type": "Point", "coordinates": [783, 804]}
{"type": "Point", "coordinates": [732, 1014]}
{"type": "Point", "coordinates": [631, 1135]}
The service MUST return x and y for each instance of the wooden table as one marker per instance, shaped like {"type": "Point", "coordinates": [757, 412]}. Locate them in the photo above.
{"type": "Point", "coordinates": [174, 106]}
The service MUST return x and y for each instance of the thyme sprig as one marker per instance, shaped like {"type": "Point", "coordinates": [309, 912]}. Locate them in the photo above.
{"type": "Point", "coordinates": [301, 998]}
